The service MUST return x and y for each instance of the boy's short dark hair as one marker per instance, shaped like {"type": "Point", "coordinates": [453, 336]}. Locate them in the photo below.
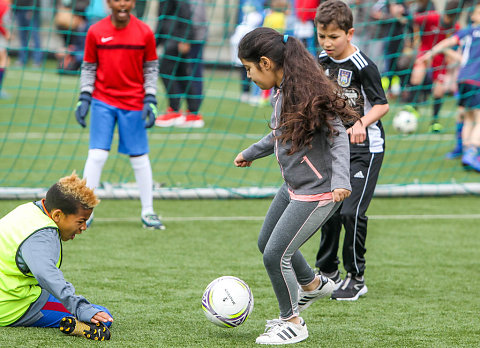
{"type": "Point", "coordinates": [334, 11]}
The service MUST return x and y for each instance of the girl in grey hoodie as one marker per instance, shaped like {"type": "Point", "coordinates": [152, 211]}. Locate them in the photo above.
{"type": "Point", "coordinates": [312, 149]}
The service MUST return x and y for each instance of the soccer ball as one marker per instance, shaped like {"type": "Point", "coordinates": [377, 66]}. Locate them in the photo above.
{"type": "Point", "coordinates": [405, 122]}
{"type": "Point", "coordinates": [227, 301]}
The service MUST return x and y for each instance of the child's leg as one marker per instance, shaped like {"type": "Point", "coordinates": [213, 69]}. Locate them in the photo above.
{"type": "Point", "coordinates": [417, 76]}
{"type": "Point", "coordinates": [475, 133]}
{"type": "Point", "coordinates": [458, 150]}
{"type": "Point", "coordinates": [53, 312]}
{"type": "Point", "coordinates": [143, 175]}
{"type": "Point", "coordinates": [3, 65]}
{"type": "Point", "coordinates": [102, 124]}
{"type": "Point", "coordinates": [133, 142]}
{"type": "Point", "coordinates": [438, 94]}
{"type": "Point", "coordinates": [93, 167]}
{"type": "Point", "coordinates": [288, 225]}
{"type": "Point", "coordinates": [355, 207]}
{"type": "Point", "coordinates": [327, 255]}
{"type": "Point", "coordinates": [468, 124]}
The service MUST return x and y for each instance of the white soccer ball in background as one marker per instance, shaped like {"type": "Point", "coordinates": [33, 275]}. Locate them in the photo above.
{"type": "Point", "coordinates": [227, 301]}
{"type": "Point", "coordinates": [405, 122]}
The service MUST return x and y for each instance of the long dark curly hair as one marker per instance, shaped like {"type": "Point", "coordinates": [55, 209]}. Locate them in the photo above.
{"type": "Point", "coordinates": [311, 101]}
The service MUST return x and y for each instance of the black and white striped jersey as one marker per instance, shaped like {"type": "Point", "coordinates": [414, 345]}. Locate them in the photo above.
{"type": "Point", "coordinates": [361, 83]}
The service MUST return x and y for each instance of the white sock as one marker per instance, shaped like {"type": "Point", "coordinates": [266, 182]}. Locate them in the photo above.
{"type": "Point", "coordinates": [143, 176]}
{"type": "Point", "coordinates": [93, 167]}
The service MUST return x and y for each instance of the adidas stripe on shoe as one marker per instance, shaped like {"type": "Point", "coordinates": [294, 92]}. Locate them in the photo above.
{"type": "Point", "coordinates": [96, 332]}
{"type": "Point", "coordinates": [278, 331]}
{"type": "Point", "coordinates": [334, 276]}
{"type": "Point", "coordinates": [306, 298]}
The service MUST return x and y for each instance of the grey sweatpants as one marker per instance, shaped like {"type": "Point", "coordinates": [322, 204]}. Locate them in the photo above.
{"type": "Point", "coordinates": [288, 225]}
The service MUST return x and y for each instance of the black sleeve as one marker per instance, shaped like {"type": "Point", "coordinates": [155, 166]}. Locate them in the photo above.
{"type": "Point", "coordinates": [372, 84]}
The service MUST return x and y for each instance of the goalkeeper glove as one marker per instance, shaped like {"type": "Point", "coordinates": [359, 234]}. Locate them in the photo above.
{"type": "Point", "coordinates": [149, 112]}
{"type": "Point", "coordinates": [83, 105]}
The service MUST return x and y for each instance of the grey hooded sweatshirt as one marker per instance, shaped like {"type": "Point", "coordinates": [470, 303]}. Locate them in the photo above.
{"type": "Point", "coordinates": [321, 168]}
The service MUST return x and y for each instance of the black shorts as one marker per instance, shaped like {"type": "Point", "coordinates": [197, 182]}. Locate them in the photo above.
{"type": "Point", "coordinates": [469, 96]}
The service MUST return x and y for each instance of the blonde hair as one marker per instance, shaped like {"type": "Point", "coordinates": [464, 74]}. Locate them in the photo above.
{"type": "Point", "coordinates": [77, 188]}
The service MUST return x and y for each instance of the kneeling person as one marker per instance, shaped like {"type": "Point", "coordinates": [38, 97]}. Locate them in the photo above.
{"type": "Point", "coordinates": [33, 291]}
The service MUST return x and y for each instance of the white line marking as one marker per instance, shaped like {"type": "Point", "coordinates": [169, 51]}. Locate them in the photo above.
{"type": "Point", "coordinates": [261, 218]}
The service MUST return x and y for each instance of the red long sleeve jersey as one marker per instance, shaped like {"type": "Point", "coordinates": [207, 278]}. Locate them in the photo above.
{"type": "Point", "coordinates": [120, 55]}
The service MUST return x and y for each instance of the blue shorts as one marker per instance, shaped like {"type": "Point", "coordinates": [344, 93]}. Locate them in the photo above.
{"type": "Point", "coordinates": [133, 139]}
{"type": "Point", "coordinates": [54, 311]}
{"type": "Point", "coordinates": [469, 96]}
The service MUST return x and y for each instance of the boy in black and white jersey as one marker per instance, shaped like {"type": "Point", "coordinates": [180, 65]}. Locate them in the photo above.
{"type": "Point", "coordinates": [361, 84]}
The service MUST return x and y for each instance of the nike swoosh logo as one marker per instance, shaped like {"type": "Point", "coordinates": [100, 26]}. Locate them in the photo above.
{"type": "Point", "coordinates": [106, 39]}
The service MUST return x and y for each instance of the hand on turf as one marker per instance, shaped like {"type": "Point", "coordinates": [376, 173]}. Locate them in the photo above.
{"type": "Point", "coordinates": [358, 133]}
{"type": "Point", "coordinates": [240, 161]}
{"type": "Point", "coordinates": [101, 317]}
{"type": "Point", "coordinates": [82, 108]}
{"type": "Point", "coordinates": [340, 194]}
{"type": "Point", "coordinates": [149, 112]}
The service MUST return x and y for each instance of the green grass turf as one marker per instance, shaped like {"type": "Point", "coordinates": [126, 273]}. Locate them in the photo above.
{"type": "Point", "coordinates": [422, 273]}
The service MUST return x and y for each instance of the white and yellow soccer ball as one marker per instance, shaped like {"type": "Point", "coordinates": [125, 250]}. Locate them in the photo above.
{"type": "Point", "coordinates": [227, 301]}
{"type": "Point", "coordinates": [405, 122]}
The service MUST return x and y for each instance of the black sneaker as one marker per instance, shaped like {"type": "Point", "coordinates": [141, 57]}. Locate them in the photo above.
{"type": "Point", "coordinates": [351, 289]}
{"type": "Point", "coordinates": [335, 276]}
{"type": "Point", "coordinates": [96, 332]}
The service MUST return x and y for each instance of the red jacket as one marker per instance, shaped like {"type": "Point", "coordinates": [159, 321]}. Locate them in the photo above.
{"type": "Point", "coordinates": [4, 7]}
{"type": "Point", "coordinates": [306, 9]}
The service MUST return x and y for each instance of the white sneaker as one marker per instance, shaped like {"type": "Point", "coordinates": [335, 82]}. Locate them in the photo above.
{"type": "Point", "coordinates": [306, 298]}
{"type": "Point", "coordinates": [278, 331]}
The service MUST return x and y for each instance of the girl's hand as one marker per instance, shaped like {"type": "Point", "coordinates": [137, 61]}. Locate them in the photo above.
{"type": "Point", "coordinates": [240, 161]}
{"type": "Point", "coordinates": [357, 132]}
{"type": "Point", "coordinates": [101, 317]}
{"type": "Point", "coordinates": [340, 194]}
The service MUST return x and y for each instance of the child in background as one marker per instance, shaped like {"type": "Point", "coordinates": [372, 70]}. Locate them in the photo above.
{"type": "Point", "coordinates": [252, 19]}
{"type": "Point", "coordinates": [33, 291]}
{"type": "Point", "coordinates": [311, 147]}
{"type": "Point", "coordinates": [469, 88]}
{"type": "Point", "coordinates": [435, 27]}
{"type": "Point", "coordinates": [361, 84]}
{"type": "Point", "coordinates": [276, 18]}
{"type": "Point", "coordinates": [4, 37]}
{"type": "Point", "coordinates": [304, 29]}
{"type": "Point", "coordinates": [119, 79]}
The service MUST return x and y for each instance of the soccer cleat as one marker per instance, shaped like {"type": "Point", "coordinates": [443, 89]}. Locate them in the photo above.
{"type": "Point", "coordinates": [170, 118]}
{"type": "Point", "coordinates": [455, 153]}
{"type": "Point", "coordinates": [335, 276]}
{"type": "Point", "coordinates": [278, 331]}
{"type": "Point", "coordinates": [96, 332]}
{"type": "Point", "coordinates": [351, 289]}
{"type": "Point", "coordinates": [152, 221]}
{"type": "Point", "coordinates": [435, 127]}
{"type": "Point", "coordinates": [306, 298]}
{"type": "Point", "coordinates": [192, 120]}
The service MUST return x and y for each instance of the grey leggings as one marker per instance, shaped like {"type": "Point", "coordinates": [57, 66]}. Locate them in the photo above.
{"type": "Point", "coordinates": [288, 225]}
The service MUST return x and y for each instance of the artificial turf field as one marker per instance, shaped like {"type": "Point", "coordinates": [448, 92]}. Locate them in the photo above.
{"type": "Point", "coordinates": [423, 275]}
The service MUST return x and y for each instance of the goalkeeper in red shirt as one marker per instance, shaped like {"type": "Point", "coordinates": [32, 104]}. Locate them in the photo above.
{"type": "Point", "coordinates": [119, 81]}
